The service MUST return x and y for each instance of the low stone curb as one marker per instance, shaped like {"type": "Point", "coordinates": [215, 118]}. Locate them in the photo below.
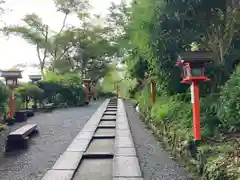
{"type": "Point", "coordinates": [125, 162]}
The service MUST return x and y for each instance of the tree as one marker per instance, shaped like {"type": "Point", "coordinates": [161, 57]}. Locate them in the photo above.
{"type": "Point", "coordinates": [29, 91]}
{"type": "Point", "coordinates": [4, 94]}
{"type": "Point", "coordinates": [39, 34]}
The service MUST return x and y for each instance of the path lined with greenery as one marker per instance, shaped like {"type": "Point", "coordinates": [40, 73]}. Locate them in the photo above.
{"type": "Point", "coordinates": [146, 37]}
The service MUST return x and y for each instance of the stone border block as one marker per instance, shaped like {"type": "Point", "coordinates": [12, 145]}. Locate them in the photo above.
{"type": "Point", "coordinates": [124, 142]}
{"type": "Point", "coordinates": [79, 145]}
{"type": "Point", "coordinates": [85, 135]}
{"type": "Point", "coordinates": [125, 166]}
{"type": "Point", "coordinates": [68, 161]}
{"type": "Point", "coordinates": [122, 127]}
{"type": "Point", "coordinates": [123, 133]}
{"type": "Point", "coordinates": [125, 152]}
{"type": "Point", "coordinates": [58, 175]}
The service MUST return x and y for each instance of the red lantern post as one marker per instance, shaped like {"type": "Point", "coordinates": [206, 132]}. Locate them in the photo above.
{"type": "Point", "coordinates": [192, 64]}
{"type": "Point", "coordinates": [153, 86]}
{"type": "Point", "coordinates": [11, 78]}
{"type": "Point", "coordinates": [86, 83]}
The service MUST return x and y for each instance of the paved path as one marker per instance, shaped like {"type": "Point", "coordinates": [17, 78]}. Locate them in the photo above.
{"type": "Point", "coordinates": [109, 155]}
{"type": "Point", "coordinates": [155, 163]}
{"type": "Point", "coordinates": [113, 145]}
{"type": "Point", "coordinates": [57, 130]}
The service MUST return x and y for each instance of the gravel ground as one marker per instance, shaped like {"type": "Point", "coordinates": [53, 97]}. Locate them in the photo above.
{"type": "Point", "coordinates": [57, 130]}
{"type": "Point", "coordinates": [155, 163]}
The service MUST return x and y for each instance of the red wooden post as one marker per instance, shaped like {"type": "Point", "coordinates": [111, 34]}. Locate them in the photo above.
{"type": "Point", "coordinates": [153, 85]}
{"type": "Point", "coordinates": [192, 64]}
{"type": "Point", "coordinates": [196, 111]}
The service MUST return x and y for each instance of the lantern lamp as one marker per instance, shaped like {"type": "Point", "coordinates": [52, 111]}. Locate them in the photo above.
{"type": "Point", "coordinates": [86, 81]}
{"type": "Point", "coordinates": [193, 64]}
{"type": "Point", "coordinates": [11, 77]}
{"type": "Point", "coordinates": [35, 78]}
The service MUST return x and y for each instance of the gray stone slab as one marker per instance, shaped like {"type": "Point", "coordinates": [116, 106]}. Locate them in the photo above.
{"type": "Point", "coordinates": [126, 167]}
{"type": "Point", "coordinates": [85, 135]}
{"type": "Point", "coordinates": [95, 121]}
{"type": "Point", "coordinates": [123, 133]}
{"type": "Point", "coordinates": [58, 175]}
{"type": "Point", "coordinates": [107, 126]}
{"type": "Point", "coordinates": [111, 109]}
{"type": "Point", "coordinates": [89, 128]}
{"type": "Point", "coordinates": [105, 132]}
{"type": "Point", "coordinates": [101, 145]}
{"type": "Point", "coordinates": [113, 123]}
{"type": "Point", "coordinates": [79, 145]}
{"type": "Point", "coordinates": [108, 117]}
{"type": "Point", "coordinates": [124, 142]}
{"type": "Point", "coordinates": [123, 178]}
{"type": "Point", "coordinates": [110, 113]}
{"type": "Point", "coordinates": [120, 114]}
{"type": "Point", "coordinates": [122, 121]}
{"type": "Point", "coordinates": [125, 152]}
{"type": "Point", "coordinates": [68, 161]}
{"type": "Point", "coordinates": [122, 127]}
{"type": "Point", "coordinates": [94, 169]}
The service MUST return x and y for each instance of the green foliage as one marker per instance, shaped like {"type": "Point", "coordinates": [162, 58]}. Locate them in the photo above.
{"type": "Point", "coordinates": [229, 109]}
{"type": "Point", "coordinates": [4, 94]}
{"type": "Point", "coordinates": [67, 88]}
{"type": "Point", "coordinates": [3, 127]}
{"type": "Point", "coordinates": [171, 120]}
{"type": "Point", "coordinates": [29, 90]}
{"type": "Point", "coordinates": [110, 80]}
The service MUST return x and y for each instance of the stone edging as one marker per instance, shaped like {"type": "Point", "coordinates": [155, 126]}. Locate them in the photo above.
{"type": "Point", "coordinates": [125, 162]}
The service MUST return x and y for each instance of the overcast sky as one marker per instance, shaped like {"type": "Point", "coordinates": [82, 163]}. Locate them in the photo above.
{"type": "Point", "coordinates": [16, 50]}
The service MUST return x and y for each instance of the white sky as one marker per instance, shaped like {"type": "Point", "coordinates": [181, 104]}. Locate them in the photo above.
{"type": "Point", "coordinates": [16, 50]}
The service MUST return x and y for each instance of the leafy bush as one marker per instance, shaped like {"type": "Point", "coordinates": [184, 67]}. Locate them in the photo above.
{"type": "Point", "coordinates": [4, 94]}
{"type": "Point", "coordinates": [229, 110]}
{"type": "Point", "coordinates": [67, 88]}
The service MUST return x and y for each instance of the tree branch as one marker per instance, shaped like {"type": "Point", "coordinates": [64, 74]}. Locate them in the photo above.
{"type": "Point", "coordinates": [60, 31]}
{"type": "Point", "coordinates": [63, 24]}
{"type": "Point", "coordinates": [38, 53]}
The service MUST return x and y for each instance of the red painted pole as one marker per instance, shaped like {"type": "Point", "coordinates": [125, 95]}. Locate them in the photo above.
{"type": "Point", "coordinates": [11, 106]}
{"type": "Point", "coordinates": [86, 91]}
{"type": "Point", "coordinates": [196, 111]}
{"type": "Point", "coordinates": [153, 92]}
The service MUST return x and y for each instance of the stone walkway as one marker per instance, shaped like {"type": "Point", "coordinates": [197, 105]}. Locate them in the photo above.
{"type": "Point", "coordinates": [103, 149]}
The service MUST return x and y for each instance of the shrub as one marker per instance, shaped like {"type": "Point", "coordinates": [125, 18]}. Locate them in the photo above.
{"type": "Point", "coordinates": [4, 94]}
{"type": "Point", "coordinates": [229, 110]}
